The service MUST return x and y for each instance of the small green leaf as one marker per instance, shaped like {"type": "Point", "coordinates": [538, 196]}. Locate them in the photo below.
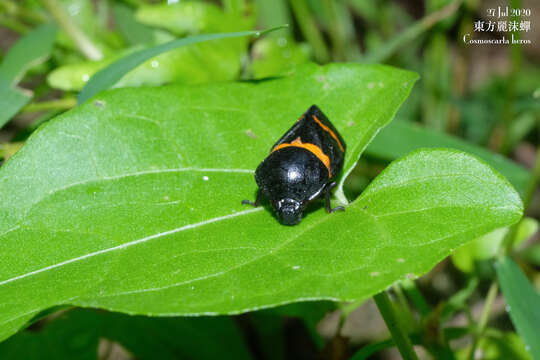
{"type": "Point", "coordinates": [400, 138]}
{"type": "Point", "coordinates": [532, 254]}
{"type": "Point", "coordinates": [72, 335]}
{"type": "Point", "coordinates": [527, 228]}
{"type": "Point", "coordinates": [523, 303]}
{"type": "Point", "coordinates": [273, 13]}
{"type": "Point", "coordinates": [487, 246]}
{"type": "Point", "coordinates": [134, 32]}
{"type": "Point", "coordinates": [107, 77]}
{"type": "Point", "coordinates": [12, 99]}
{"type": "Point", "coordinates": [222, 62]}
{"type": "Point", "coordinates": [500, 346]}
{"type": "Point", "coordinates": [191, 17]}
{"type": "Point", "coordinates": [310, 312]}
{"type": "Point", "coordinates": [131, 202]}
{"type": "Point", "coordinates": [483, 248]}
{"type": "Point", "coordinates": [496, 345]}
{"type": "Point", "coordinates": [76, 334]}
{"type": "Point", "coordinates": [29, 51]}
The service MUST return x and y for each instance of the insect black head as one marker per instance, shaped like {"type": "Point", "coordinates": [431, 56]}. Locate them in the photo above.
{"type": "Point", "coordinates": [288, 211]}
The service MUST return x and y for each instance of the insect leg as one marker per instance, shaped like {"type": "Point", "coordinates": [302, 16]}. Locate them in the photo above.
{"type": "Point", "coordinates": [327, 194]}
{"type": "Point", "coordinates": [257, 201]}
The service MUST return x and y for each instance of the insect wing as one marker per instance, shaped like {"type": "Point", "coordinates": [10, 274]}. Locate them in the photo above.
{"type": "Point", "coordinates": [304, 129]}
{"type": "Point", "coordinates": [315, 128]}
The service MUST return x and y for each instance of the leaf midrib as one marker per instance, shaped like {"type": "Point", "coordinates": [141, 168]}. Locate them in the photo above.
{"type": "Point", "coordinates": [273, 253]}
{"type": "Point", "coordinates": [185, 227]}
{"type": "Point", "coordinates": [130, 243]}
{"type": "Point", "coordinates": [215, 313]}
{"type": "Point", "coordinates": [117, 177]}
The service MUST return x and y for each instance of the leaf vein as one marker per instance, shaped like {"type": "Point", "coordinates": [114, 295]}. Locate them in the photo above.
{"type": "Point", "coordinates": [128, 244]}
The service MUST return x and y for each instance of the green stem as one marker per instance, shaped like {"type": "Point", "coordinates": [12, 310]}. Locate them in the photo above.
{"type": "Point", "coordinates": [484, 317]}
{"type": "Point", "coordinates": [309, 29]}
{"type": "Point", "coordinates": [234, 6]}
{"type": "Point", "coordinates": [407, 314]}
{"type": "Point", "coordinates": [530, 189]}
{"type": "Point", "coordinates": [458, 300]}
{"type": "Point", "coordinates": [508, 111]}
{"type": "Point", "coordinates": [506, 248]}
{"type": "Point", "coordinates": [334, 29]}
{"type": "Point", "coordinates": [416, 297]}
{"type": "Point", "coordinates": [14, 25]}
{"type": "Point", "coordinates": [133, 3]}
{"type": "Point", "coordinates": [8, 149]}
{"type": "Point", "coordinates": [397, 331]}
{"type": "Point", "coordinates": [367, 351]}
{"type": "Point", "coordinates": [533, 182]}
{"type": "Point", "coordinates": [86, 47]}
{"type": "Point", "coordinates": [348, 308]}
{"type": "Point", "coordinates": [14, 10]}
{"type": "Point", "coordinates": [412, 32]}
{"type": "Point", "coordinates": [401, 299]}
{"type": "Point", "coordinates": [60, 104]}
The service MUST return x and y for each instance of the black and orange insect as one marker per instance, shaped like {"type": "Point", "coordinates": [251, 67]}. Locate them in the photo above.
{"type": "Point", "coordinates": [300, 167]}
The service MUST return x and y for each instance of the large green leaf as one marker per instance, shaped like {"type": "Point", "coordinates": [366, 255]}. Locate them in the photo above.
{"type": "Point", "coordinates": [131, 202]}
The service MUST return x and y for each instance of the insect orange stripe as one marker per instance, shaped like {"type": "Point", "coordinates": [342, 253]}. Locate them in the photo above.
{"type": "Point", "coordinates": [314, 149]}
{"type": "Point", "coordinates": [327, 129]}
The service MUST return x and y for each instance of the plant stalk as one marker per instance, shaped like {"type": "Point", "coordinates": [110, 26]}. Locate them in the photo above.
{"type": "Point", "coordinates": [234, 5]}
{"type": "Point", "coordinates": [506, 248]}
{"type": "Point", "coordinates": [309, 29]}
{"type": "Point", "coordinates": [335, 30]}
{"type": "Point", "coordinates": [133, 3]}
{"type": "Point", "coordinates": [484, 317]}
{"type": "Point", "coordinates": [60, 104]}
{"type": "Point", "coordinates": [416, 297]}
{"type": "Point", "coordinates": [397, 331]}
{"type": "Point", "coordinates": [530, 189]}
{"type": "Point", "coordinates": [7, 150]}
{"type": "Point", "coordinates": [412, 32]}
{"type": "Point", "coordinates": [14, 25]}
{"type": "Point", "coordinates": [86, 47]}
{"type": "Point", "coordinates": [14, 10]}
{"type": "Point", "coordinates": [508, 111]}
